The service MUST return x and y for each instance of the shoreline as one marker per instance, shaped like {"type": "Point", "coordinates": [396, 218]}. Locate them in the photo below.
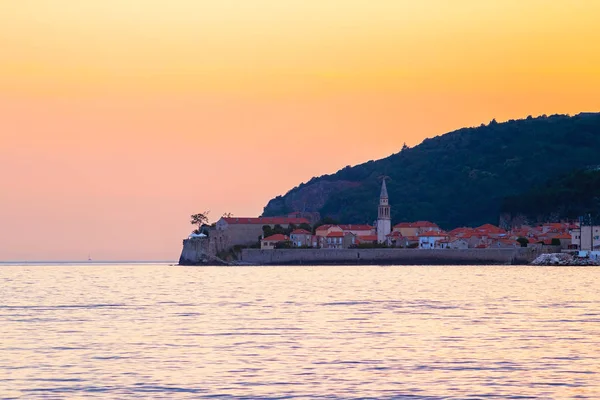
{"type": "Point", "coordinates": [380, 256]}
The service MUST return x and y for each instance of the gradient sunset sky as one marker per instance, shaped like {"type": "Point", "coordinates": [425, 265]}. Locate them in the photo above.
{"type": "Point", "coordinates": [120, 118]}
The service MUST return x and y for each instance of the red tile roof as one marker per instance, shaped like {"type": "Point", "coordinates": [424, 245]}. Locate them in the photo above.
{"type": "Point", "coordinates": [324, 227]}
{"type": "Point", "coordinates": [461, 230]}
{"type": "Point", "coordinates": [367, 238]}
{"type": "Point", "coordinates": [266, 220]}
{"type": "Point", "coordinates": [554, 225]}
{"type": "Point", "coordinates": [335, 234]}
{"type": "Point", "coordinates": [563, 236]}
{"type": "Point", "coordinates": [278, 237]}
{"type": "Point", "coordinates": [490, 228]}
{"type": "Point", "coordinates": [433, 234]}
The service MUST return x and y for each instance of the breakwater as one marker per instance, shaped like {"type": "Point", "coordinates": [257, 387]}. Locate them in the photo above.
{"type": "Point", "coordinates": [513, 256]}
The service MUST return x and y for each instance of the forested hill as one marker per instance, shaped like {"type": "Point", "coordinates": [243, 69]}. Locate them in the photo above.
{"type": "Point", "coordinates": [564, 198]}
{"type": "Point", "coordinates": [459, 178]}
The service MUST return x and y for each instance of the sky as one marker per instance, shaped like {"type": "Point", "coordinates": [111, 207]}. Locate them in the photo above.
{"type": "Point", "coordinates": [120, 118]}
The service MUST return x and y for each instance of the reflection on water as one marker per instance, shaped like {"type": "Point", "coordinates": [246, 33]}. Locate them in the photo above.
{"type": "Point", "coordinates": [348, 332]}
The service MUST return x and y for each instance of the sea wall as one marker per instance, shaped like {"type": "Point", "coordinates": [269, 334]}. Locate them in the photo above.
{"type": "Point", "coordinates": [199, 251]}
{"type": "Point", "coordinates": [194, 251]}
{"type": "Point", "coordinates": [512, 256]}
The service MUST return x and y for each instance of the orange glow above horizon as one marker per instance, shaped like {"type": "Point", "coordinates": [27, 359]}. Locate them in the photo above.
{"type": "Point", "coordinates": [116, 110]}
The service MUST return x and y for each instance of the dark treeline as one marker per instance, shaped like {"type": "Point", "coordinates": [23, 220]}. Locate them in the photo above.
{"type": "Point", "coordinates": [565, 198]}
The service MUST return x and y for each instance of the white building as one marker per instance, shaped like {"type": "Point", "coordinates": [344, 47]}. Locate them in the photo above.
{"type": "Point", "coordinates": [384, 219]}
{"type": "Point", "coordinates": [581, 238]}
{"type": "Point", "coordinates": [428, 240]}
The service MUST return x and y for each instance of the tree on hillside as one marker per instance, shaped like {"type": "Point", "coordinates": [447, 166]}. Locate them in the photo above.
{"type": "Point", "coordinates": [227, 215]}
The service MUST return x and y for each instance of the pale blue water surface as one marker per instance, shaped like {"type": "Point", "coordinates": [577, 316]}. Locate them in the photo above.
{"type": "Point", "coordinates": [160, 331]}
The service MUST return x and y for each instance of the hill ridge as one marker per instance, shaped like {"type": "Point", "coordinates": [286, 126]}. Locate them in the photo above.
{"type": "Point", "coordinates": [458, 178]}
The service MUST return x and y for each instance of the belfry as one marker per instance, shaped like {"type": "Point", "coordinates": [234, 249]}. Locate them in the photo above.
{"type": "Point", "coordinates": [384, 220]}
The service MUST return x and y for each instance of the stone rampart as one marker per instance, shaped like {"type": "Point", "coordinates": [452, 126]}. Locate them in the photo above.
{"type": "Point", "coordinates": [197, 251]}
{"type": "Point", "coordinates": [389, 256]}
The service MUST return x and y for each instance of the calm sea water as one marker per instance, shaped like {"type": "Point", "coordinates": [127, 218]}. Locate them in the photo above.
{"type": "Point", "coordinates": [159, 331]}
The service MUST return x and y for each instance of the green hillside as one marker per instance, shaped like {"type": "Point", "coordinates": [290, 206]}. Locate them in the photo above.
{"type": "Point", "coordinates": [459, 178]}
{"type": "Point", "coordinates": [564, 198]}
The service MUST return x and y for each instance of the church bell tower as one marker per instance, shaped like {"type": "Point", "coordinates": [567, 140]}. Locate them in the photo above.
{"type": "Point", "coordinates": [384, 220]}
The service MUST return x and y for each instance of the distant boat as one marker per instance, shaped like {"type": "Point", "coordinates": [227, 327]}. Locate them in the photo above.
{"type": "Point", "coordinates": [89, 258]}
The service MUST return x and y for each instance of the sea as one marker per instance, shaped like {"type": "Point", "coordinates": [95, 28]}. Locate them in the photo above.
{"type": "Point", "coordinates": [161, 331]}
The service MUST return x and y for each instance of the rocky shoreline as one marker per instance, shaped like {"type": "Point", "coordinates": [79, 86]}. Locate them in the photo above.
{"type": "Point", "coordinates": [563, 259]}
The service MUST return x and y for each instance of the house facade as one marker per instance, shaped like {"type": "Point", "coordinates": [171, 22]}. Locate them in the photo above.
{"type": "Point", "coordinates": [428, 240]}
{"type": "Point", "coordinates": [247, 231]}
{"type": "Point", "coordinates": [416, 228]}
{"type": "Point", "coordinates": [358, 230]}
{"type": "Point", "coordinates": [458, 244]}
{"type": "Point", "coordinates": [302, 238]}
{"type": "Point", "coordinates": [270, 242]}
{"type": "Point", "coordinates": [586, 238]}
{"type": "Point", "coordinates": [337, 240]}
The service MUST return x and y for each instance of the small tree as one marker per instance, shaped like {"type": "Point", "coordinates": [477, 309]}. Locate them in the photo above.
{"type": "Point", "coordinates": [267, 230]}
{"type": "Point", "coordinates": [305, 226]}
{"type": "Point", "coordinates": [523, 241]}
{"type": "Point", "coordinates": [199, 219]}
{"type": "Point", "coordinates": [227, 215]}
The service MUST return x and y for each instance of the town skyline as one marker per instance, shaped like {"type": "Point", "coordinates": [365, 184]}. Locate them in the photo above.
{"type": "Point", "coordinates": [118, 121]}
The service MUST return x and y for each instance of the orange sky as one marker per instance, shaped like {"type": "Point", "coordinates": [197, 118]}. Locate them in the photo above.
{"type": "Point", "coordinates": [119, 118]}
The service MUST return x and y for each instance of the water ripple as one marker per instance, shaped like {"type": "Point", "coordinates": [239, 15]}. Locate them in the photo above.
{"type": "Point", "coordinates": [419, 333]}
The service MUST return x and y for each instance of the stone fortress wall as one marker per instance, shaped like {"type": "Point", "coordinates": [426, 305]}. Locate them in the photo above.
{"type": "Point", "coordinates": [516, 256]}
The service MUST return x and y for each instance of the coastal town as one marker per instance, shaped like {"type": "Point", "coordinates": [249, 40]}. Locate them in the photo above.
{"type": "Point", "coordinates": [302, 230]}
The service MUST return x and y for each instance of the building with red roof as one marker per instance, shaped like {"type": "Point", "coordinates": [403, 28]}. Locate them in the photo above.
{"type": "Point", "coordinates": [415, 228]}
{"type": "Point", "coordinates": [358, 230]}
{"type": "Point", "coordinates": [372, 239]}
{"type": "Point", "coordinates": [324, 230]}
{"type": "Point", "coordinates": [337, 240]}
{"type": "Point", "coordinates": [302, 238]}
{"type": "Point", "coordinates": [248, 230]}
{"type": "Point", "coordinates": [270, 242]}
{"type": "Point", "coordinates": [491, 231]}
{"type": "Point", "coordinates": [428, 240]}
{"type": "Point", "coordinates": [504, 243]}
